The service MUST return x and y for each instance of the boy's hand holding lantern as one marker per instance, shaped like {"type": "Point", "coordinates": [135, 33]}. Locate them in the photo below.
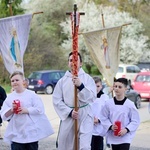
{"type": "Point", "coordinates": [16, 106]}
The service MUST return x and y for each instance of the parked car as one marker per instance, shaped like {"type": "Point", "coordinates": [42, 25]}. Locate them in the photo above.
{"type": "Point", "coordinates": [134, 96]}
{"type": "Point", "coordinates": [141, 84]}
{"type": "Point", "coordinates": [131, 94]}
{"type": "Point", "coordinates": [44, 80]}
{"type": "Point", "coordinates": [127, 71]}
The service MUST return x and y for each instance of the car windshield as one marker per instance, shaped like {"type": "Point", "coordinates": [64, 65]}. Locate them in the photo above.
{"type": "Point", "coordinates": [143, 78]}
{"type": "Point", "coordinates": [35, 75]}
{"type": "Point", "coordinates": [120, 69]}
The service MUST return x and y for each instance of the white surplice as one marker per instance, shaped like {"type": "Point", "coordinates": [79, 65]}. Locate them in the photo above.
{"type": "Point", "coordinates": [63, 101]}
{"type": "Point", "coordinates": [126, 113]}
{"type": "Point", "coordinates": [26, 128]}
{"type": "Point", "coordinates": [96, 108]}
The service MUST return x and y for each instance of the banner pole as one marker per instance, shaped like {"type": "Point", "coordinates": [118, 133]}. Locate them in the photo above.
{"type": "Point", "coordinates": [10, 7]}
{"type": "Point", "coordinates": [103, 22]}
{"type": "Point", "coordinates": [37, 13]}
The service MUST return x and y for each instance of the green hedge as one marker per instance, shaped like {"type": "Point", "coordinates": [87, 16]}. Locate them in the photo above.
{"type": "Point", "coordinates": [7, 88]}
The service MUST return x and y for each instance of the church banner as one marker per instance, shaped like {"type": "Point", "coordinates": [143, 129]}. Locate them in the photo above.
{"type": "Point", "coordinates": [104, 49]}
{"type": "Point", "coordinates": [14, 33]}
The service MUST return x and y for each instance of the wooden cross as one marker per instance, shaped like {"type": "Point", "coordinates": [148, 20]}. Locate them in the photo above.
{"type": "Point", "coordinates": [75, 17]}
{"type": "Point", "coordinates": [75, 27]}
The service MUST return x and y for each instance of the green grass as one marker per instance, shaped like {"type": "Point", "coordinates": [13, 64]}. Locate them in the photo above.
{"type": "Point", "coordinates": [7, 87]}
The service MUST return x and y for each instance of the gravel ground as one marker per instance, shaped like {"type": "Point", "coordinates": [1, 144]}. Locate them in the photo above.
{"type": "Point", "coordinates": [49, 144]}
{"type": "Point", "coordinates": [140, 142]}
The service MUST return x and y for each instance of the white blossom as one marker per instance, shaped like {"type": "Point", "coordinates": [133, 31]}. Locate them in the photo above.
{"type": "Point", "coordinates": [133, 42]}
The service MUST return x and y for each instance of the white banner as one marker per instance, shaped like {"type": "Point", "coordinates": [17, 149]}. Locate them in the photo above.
{"type": "Point", "coordinates": [14, 33]}
{"type": "Point", "coordinates": [104, 49]}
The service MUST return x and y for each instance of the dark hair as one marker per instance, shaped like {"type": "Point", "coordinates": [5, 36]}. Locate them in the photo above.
{"type": "Point", "coordinates": [71, 53]}
{"type": "Point", "coordinates": [122, 80]}
{"type": "Point", "coordinates": [97, 79]}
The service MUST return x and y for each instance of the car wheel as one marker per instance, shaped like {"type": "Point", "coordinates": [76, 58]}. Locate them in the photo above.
{"type": "Point", "coordinates": [138, 102]}
{"type": "Point", "coordinates": [49, 89]}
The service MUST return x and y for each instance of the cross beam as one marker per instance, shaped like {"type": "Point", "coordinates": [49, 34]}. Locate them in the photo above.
{"type": "Point", "coordinates": [75, 17]}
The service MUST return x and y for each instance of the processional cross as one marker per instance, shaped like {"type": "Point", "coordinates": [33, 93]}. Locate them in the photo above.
{"type": "Point", "coordinates": [75, 19]}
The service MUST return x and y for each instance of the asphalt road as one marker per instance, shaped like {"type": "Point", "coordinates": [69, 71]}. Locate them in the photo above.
{"type": "Point", "coordinates": [140, 142]}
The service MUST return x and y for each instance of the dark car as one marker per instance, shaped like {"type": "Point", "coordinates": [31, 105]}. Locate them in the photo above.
{"type": "Point", "coordinates": [134, 96]}
{"type": "Point", "coordinates": [44, 80]}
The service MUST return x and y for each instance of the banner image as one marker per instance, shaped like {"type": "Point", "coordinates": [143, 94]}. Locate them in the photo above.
{"type": "Point", "coordinates": [104, 49]}
{"type": "Point", "coordinates": [14, 33]}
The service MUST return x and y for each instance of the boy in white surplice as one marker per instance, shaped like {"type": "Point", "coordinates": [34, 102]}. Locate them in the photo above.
{"type": "Point", "coordinates": [122, 110]}
{"type": "Point", "coordinates": [98, 132]}
{"type": "Point", "coordinates": [29, 123]}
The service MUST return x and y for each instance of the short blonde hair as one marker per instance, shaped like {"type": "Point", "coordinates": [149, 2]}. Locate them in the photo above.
{"type": "Point", "coordinates": [17, 73]}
